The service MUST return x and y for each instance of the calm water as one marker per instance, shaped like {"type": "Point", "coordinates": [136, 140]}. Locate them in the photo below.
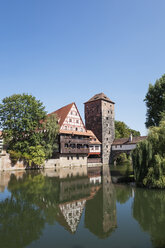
{"type": "Point", "coordinates": [76, 208]}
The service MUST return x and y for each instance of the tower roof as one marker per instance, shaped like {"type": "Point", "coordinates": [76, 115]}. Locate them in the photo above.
{"type": "Point", "coordinates": [100, 96]}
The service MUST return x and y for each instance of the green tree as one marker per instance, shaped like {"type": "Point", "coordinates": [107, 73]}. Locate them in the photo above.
{"type": "Point", "coordinates": [50, 129]}
{"type": "Point", "coordinates": [29, 134]}
{"type": "Point", "coordinates": [20, 117]}
{"type": "Point", "coordinates": [123, 131]}
{"type": "Point", "coordinates": [149, 158]}
{"type": "Point", "coordinates": [155, 102]}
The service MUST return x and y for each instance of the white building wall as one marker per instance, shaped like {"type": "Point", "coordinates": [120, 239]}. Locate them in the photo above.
{"type": "Point", "coordinates": [94, 148]}
{"type": "Point", "coordinates": [73, 121]}
{"type": "Point", "coordinates": [123, 147]}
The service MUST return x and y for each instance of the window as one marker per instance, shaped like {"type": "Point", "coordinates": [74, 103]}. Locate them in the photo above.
{"type": "Point", "coordinates": [68, 157]}
{"type": "Point", "coordinates": [66, 145]}
{"type": "Point", "coordinates": [72, 146]}
{"type": "Point", "coordinates": [70, 120]}
{"type": "Point", "coordinates": [107, 138]}
{"type": "Point", "coordinates": [111, 112]}
{"type": "Point", "coordinates": [65, 127]}
{"type": "Point", "coordinates": [70, 128]}
{"type": "Point", "coordinates": [79, 146]}
{"type": "Point", "coordinates": [76, 128]}
{"type": "Point", "coordinates": [120, 146]}
{"type": "Point", "coordinates": [107, 118]}
{"type": "Point", "coordinates": [77, 156]}
{"type": "Point", "coordinates": [96, 148]}
{"type": "Point", "coordinates": [91, 148]}
{"type": "Point", "coordinates": [77, 121]}
{"type": "Point", "coordinates": [108, 111]}
{"type": "Point", "coordinates": [72, 157]}
{"type": "Point", "coordinates": [106, 146]}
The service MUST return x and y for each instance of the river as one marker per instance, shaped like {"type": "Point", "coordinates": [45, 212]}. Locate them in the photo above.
{"type": "Point", "coordinates": [78, 208]}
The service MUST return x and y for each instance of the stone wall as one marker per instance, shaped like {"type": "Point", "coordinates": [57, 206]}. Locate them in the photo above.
{"type": "Point", "coordinates": [62, 161]}
{"type": "Point", "coordinates": [93, 118]}
{"type": "Point", "coordinates": [108, 130]}
{"type": "Point", "coordinates": [6, 164]}
{"type": "Point", "coordinates": [99, 117]}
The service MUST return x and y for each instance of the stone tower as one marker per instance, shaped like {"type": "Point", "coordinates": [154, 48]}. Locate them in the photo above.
{"type": "Point", "coordinates": [99, 117]}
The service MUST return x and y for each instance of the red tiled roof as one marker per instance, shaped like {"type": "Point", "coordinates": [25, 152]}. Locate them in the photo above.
{"type": "Point", "coordinates": [100, 96]}
{"type": "Point", "coordinates": [126, 141]}
{"type": "Point", "coordinates": [92, 135]}
{"type": "Point", "coordinates": [62, 113]}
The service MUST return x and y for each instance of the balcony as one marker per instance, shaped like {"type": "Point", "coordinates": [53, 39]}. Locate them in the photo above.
{"type": "Point", "coordinates": [74, 145]}
{"type": "Point", "coordinates": [69, 150]}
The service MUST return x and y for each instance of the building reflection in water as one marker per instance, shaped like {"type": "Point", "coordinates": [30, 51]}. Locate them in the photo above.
{"type": "Point", "coordinates": [100, 212]}
{"type": "Point", "coordinates": [56, 196]}
{"type": "Point", "coordinates": [76, 189]}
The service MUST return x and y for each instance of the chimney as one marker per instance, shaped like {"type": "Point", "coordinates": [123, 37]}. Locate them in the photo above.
{"type": "Point", "coordinates": [130, 138]}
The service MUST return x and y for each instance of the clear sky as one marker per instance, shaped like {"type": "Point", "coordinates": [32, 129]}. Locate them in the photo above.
{"type": "Point", "coordinates": [68, 50]}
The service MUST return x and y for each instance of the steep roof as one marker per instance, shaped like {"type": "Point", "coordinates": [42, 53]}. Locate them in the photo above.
{"type": "Point", "coordinates": [62, 113]}
{"type": "Point", "coordinates": [93, 137]}
{"type": "Point", "coordinates": [126, 141]}
{"type": "Point", "coordinates": [100, 96]}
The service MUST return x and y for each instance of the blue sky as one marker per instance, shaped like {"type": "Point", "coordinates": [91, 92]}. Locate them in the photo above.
{"type": "Point", "coordinates": [68, 50]}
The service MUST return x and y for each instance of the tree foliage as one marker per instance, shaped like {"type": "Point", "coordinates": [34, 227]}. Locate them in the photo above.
{"type": "Point", "coordinates": [28, 133]}
{"type": "Point", "coordinates": [149, 158]}
{"type": "Point", "coordinates": [155, 102]}
{"type": "Point", "coordinates": [123, 131]}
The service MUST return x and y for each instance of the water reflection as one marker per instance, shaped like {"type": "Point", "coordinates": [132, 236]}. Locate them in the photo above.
{"type": "Point", "coordinates": [100, 213]}
{"type": "Point", "coordinates": [149, 211]}
{"type": "Point", "coordinates": [66, 196]}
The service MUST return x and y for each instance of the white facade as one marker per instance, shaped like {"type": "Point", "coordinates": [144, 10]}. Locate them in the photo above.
{"type": "Point", "coordinates": [95, 180]}
{"type": "Point", "coordinates": [72, 212]}
{"type": "Point", "coordinates": [124, 147]}
{"type": "Point", "coordinates": [94, 148]}
{"type": "Point", "coordinates": [73, 121]}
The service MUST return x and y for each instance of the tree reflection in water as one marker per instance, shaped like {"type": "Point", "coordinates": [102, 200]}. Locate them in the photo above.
{"type": "Point", "coordinates": [149, 211]}
{"type": "Point", "coordinates": [123, 193]}
{"type": "Point", "coordinates": [20, 223]}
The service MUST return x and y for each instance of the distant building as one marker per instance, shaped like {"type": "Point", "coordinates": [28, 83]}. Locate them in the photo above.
{"type": "Point", "coordinates": [127, 144]}
{"type": "Point", "coordinates": [79, 144]}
